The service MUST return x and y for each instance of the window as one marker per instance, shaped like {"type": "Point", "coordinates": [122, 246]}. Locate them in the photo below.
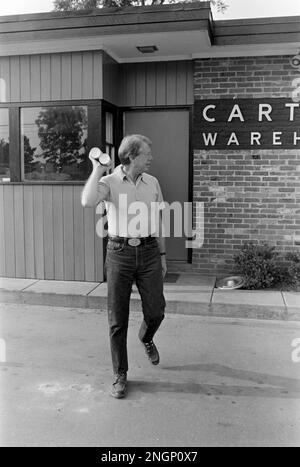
{"type": "Point", "coordinates": [53, 143]}
{"type": "Point", "coordinates": [4, 146]}
{"type": "Point", "coordinates": [109, 138]}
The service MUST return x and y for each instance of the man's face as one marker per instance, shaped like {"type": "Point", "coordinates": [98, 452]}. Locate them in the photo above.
{"type": "Point", "coordinates": [143, 161]}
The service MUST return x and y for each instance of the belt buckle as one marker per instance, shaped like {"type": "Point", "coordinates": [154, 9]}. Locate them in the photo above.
{"type": "Point", "coordinates": [134, 241]}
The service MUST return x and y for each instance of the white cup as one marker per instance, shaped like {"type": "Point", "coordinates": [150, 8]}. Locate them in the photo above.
{"type": "Point", "coordinates": [98, 155]}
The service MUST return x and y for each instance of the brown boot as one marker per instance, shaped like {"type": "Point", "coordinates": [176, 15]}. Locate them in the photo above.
{"type": "Point", "coordinates": [119, 386]}
{"type": "Point", "coordinates": [151, 352]}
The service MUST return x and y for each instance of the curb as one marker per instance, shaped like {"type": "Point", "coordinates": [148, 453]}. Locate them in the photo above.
{"type": "Point", "coordinates": [279, 313]}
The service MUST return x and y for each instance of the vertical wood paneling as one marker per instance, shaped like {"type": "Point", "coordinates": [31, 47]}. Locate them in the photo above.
{"type": "Point", "coordinates": [9, 227]}
{"type": "Point", "coordinates": [45, 78]}
{"type": "Point", "coordinates": [29, 233]}
{"type": "Point", "coordinates": [121, 85]}
{"type": "Point", "coordinates": [2, 233]}
{"type": "Point", "coordinates": [87, 75]}
{"type": "Point", "coordinates": [130, 97]}
{"type": "Point", "coordinates": [190, 83]}
{"type": "Point", "coordinates": [181, 83]}
{"type": "Point", "coordinates": [68, 224]}
{"type": "Point", "coordinates": [58, 233]}
{"type": "Point", "coordinates": [5, 76]}
{"type": "Point", "coordinates": [38, 230]}
{"type": "Point", "coordinates": [66, 76]}
{"type": "Point", "coordinates": [25, 78]}
{"type": "Point", "coordinates": [141, 84]}
{"type": "Point", "coordinates": [161, 84]}
{"type": "Point", "coordinates": [48, 232]}
{"type": "Point", "coordinates": [89, 243]}
{"type": "Point", "coordinates": [78, 235]}
{"type": "Point", "coordinates": [35, 78]}
{"type": "Point", "coordinates": [15, 87]}
{"type": "Point", "coordinates": [171, 81]}
{"type": "Point", "coordinates": [111, 80]}
{"type": "Point", "coordinates": [19, 231]}
{"type": "Point", "coordinates": [55, 79]}
{"type": "Point", "coordinates": [76, 66]}
{"type": "Point", "coordinates": [157, 83]}
{"type": "Point", "coordinates": [151, 84]}
{"type": "Point", "coordinates": [98, 76]}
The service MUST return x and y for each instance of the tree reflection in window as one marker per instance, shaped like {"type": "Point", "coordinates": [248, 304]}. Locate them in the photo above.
{"type": "Point", "coordinates": [54, 143]}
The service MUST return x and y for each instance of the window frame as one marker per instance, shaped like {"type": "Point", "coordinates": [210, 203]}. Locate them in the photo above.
{"type": "Point", "coordinates": [117, 127]}
{"type": "Point", "coordinates": [95, 137]}
{"type": "Point", "coordinates": [9, 136]}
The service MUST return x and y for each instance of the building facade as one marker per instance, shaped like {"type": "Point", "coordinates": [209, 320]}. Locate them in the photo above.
{"type": "Point", "coordinates": [218, 99]}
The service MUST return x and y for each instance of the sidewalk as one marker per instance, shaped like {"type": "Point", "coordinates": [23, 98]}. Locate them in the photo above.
{"type": "Point", "coordinates": [190, 294]}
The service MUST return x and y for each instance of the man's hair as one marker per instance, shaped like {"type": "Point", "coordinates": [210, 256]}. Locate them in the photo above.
{"type": "Point", "coordinates": [131, 145]}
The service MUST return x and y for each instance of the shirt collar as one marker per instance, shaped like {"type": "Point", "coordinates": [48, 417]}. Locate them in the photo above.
{"type": "Point", "coordinates": [119, 171]}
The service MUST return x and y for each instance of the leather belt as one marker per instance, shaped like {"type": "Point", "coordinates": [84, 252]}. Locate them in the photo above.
{"type": "Point", "coordinates": [132, 241]}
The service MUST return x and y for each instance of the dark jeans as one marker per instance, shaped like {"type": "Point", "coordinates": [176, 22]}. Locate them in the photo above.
{"type": "Point", "coordinates": [126, 264]}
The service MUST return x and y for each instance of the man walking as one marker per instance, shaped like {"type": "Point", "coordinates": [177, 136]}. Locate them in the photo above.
{"type": "Point", "coordinates": [135, 249]}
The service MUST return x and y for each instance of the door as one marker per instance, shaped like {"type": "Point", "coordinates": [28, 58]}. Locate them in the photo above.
{"type": "Point", "coordinates": [169, 133]}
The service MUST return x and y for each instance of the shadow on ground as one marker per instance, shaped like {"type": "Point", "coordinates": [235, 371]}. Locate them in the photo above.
{"type": "Point", "coordinates": [269, 385]}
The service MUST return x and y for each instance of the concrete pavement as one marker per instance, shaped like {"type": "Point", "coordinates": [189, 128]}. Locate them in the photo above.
{"type": "Point", "coordinates": [221, 382]}
{"type": "Point", "coordinates": [185, 294]}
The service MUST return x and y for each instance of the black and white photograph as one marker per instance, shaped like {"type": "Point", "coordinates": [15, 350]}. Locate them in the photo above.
{"type": "Point", "coordinates": [149, 226]}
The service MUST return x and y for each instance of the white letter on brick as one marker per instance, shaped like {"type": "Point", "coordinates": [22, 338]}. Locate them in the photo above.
{"type": "Point", "coordinates": [292, 108]}
{"type": "Point", "coordinates": [208, 119]}
{"type": "Point", "coordinates": [276, 138]}
{"type": "Point", "coordinates": [264, 110]}
{"type": "Point", "coordinates": [236, 113]}
{"type": "Point", "coordinates": [233, 139]}
{"type": "Point", "coordinates": [255, 137]}
{"type": "Point", "coordinates": [296, 138]}
{"type": "Point", "coordinates": [209, 138]}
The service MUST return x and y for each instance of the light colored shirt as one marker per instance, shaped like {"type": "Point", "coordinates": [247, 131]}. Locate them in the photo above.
{"type": "Point", "coordinates": [132, 208]}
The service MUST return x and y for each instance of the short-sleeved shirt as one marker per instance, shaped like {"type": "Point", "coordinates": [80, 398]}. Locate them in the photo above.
{"type": "Point", "coordinates": [132, 208]}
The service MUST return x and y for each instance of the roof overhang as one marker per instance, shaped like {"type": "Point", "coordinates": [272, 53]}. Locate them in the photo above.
{"type": "Point", "coordinates": [179, 31]}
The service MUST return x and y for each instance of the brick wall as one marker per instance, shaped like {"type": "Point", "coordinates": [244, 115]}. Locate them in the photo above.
{"type": "Point", "coordinates": [248, 195]}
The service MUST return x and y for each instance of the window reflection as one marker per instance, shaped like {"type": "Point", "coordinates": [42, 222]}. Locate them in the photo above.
{"type": "Point", "coordinates": [4, 146]}
{"type": "Point", "coordinates": [54, 143]}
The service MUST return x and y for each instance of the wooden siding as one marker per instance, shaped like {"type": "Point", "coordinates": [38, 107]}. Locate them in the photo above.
{"type": "Point", "coordinates": [46, 234]}
{"type": "Point", "coordinates": [51, 77]}
{"type": "Point", "coordinates": [94, 75]}
{"type": "Point", "coordinates": [156, 84]}
{"type": "Point", "coordinates": [111, 80]}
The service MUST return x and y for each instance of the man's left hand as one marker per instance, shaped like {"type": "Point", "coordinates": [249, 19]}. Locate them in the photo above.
{"type": "Point", "coordinates": [164, 265]}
